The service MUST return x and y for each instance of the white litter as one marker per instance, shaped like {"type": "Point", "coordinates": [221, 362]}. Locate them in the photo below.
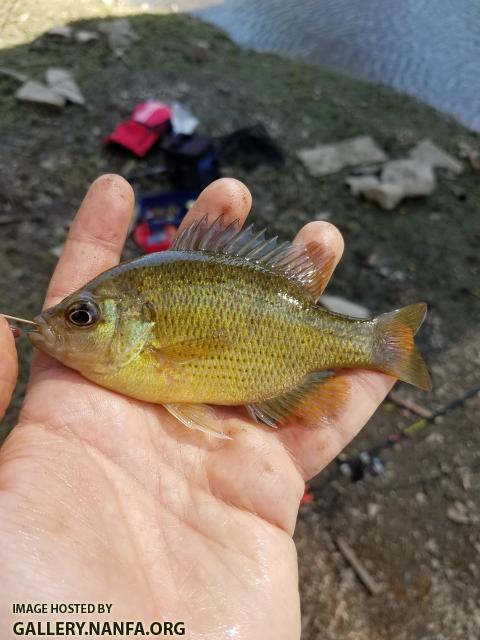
{"type": "Point", "coordinates": [62, 82]}
{"type": "Point", "coordinates": [428, 153]}
{"type": "Point", "coordinates": [328, 159]}
{"type": "Point", "coordinates": [33, 91]}
{"type": "Point", "coordinates": [414, 177]}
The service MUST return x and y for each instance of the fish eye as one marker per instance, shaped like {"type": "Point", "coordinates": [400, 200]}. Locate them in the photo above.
{"type": "Point", "coordinates": [83, 314]}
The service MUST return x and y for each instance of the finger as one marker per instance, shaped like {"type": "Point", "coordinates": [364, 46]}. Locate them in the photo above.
{"type": "Point", "coordinates": [313, 446]}
{"type": "Point", "coordinates": [329, 238]}
{"type": "Point", "coordinates": [226, 196]}
{"type": "Point", "coordinates": [96, 237]}
{"type": "Point", "coordinates": [8, 365]}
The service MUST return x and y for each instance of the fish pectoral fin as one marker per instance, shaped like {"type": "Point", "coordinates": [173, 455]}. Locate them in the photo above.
{"type": "Point", "coordinates": [191, 349]}
{"type": "Point", "coordinates": [200, 417]}
{"type": "Point", "coordinates": [321, 394]}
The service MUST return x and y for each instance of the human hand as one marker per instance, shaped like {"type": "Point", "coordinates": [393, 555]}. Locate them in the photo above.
{"type": "Point", "coordinates": [108, 499]}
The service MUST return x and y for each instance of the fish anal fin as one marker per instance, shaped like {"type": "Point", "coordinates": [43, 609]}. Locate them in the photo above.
{"type": "Point", "coordinates": [199, 417]}
{"type": "Point", "coordinates": [309, 265]}
{"type": "Point", "coordinates": [321, 395]}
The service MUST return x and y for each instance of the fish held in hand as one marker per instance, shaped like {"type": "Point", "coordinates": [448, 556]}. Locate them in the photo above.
{"type": "Point", "coordinates": [226, 317]}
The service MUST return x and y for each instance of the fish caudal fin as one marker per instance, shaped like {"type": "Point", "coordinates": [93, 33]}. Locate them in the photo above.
{"type": "Point", "coordinates": [395, 352]}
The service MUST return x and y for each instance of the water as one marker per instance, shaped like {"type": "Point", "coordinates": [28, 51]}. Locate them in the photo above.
{"type": "Point", "coordinates": [427, 48]}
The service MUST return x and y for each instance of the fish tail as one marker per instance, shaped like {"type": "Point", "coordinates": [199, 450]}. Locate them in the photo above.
{"type": "Point", "coordinates": [394, 350]}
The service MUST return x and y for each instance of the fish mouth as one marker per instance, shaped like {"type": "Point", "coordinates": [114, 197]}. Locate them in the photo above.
{"type": "Point", "coordinates": [42, 335]}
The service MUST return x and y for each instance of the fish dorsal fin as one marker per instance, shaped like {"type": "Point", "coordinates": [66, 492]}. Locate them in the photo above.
{"type": "Point", "coordinates": [309, 265]}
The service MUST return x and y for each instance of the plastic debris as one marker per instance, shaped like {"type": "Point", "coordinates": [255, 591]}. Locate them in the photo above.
{"type": "Point", "coordinates": [308, 495]}
{"type": "Point", "coordinates": [345, 307]}
{"type": "Point", "coordinates": [191, 160]}
{"type": "Point", "coordinates": [159, 216]}
{"type": "Point", "coordinates": [60, 87]}
{"type": "Point", "coordinates": [148, 122]}
{"type": "Point", "coordinates": [33, 91]}
{"type": "Point", "coordinates": [328, 159]}
{"type": "Point", "coordinates": [386, 195]}
{"type": "Point", "coordinates": [183, 120]}
{"type": "Point", "coordinates": [63, 84]}
{"type": "Point", "coordinates": [428, 153]}
{"type": "Point", "coordinates": [400, 179]}
{"type": "Point", "coordinates": [360, 184]}
{"type": "Point", "coordinates": [120, 35]}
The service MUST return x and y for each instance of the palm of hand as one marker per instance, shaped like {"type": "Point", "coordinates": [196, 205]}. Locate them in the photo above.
{"type": "Point", "coordinates": [108, 499]}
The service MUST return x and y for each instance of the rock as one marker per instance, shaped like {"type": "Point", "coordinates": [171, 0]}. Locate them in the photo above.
{"type": "Point", "coordinates": [62, 82]}
{"type": "Point", "coordinates": [345, 307]}
{"type": "Point", "coordinates": [328, 159]}
{"type": "Point", "coordinates": [68, 33]}
{"type": "Point", "coordinates": [471, 154]}
{"type": "Point", "coordinates": [458, 191]}
{"type": "Point", "coordinates": [466, 478]}
{"type": "Point", "coordinates": [432, 547]}
{"type": "Point", "coordinates": [120, 35]}
{"type": "Point", "coordinates": [33, 91]}
{"type": "Point", "coordinates": [62, 31]}
{"type": "Point", "coordinates": [373, 509]}
{"type": "Point", "coordinates": [458, 513]}
{"type": "Point", "coordinates": [57, 250]}
{"type": "Point", "coordinates": [323, 215]}
{"type": "Point", "coordinates": [198, 51]}
{"type": "Point", "coordinates": [421, 498]}
{"type": "Point", "coordinates": [428, 153]}
{"type": "Point", "coordinates": [83, 36]}
{"type": "Point", "coordinates": [414, 177]}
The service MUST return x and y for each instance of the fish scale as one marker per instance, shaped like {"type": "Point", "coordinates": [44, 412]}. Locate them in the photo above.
{"type": "Point", "coordinates": [275, 335]}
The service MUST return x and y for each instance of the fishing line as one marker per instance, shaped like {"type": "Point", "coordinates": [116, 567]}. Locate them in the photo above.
{"type": "Point", "coordinates": [21, 320]}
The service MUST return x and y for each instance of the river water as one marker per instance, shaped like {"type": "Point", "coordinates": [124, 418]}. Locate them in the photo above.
{"type": "Point", "coordinates": [427, 48]}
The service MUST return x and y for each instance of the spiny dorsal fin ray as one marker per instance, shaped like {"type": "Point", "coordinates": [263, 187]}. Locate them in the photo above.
{"type": "Point", "coordinates": [310, 265]}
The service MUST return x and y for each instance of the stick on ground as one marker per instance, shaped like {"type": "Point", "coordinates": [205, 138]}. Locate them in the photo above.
{"type": "Point", "coordinates": [362, 573]}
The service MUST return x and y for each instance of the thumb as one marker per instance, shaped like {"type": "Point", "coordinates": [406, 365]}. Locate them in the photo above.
{"type": "Point", "coordinates": [8, 365]}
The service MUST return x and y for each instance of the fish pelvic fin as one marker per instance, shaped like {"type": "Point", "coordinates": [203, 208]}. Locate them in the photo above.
{"type": "Point", "coordinates": [322, 395]}
{"type": "Point", "coordinates": [394, 350]}
{"type": "Point", "coordinates": [199, 417]}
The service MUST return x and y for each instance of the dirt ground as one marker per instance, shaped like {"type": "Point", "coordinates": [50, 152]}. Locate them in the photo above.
{"type": "Point", "coordinates": [416, 527]}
